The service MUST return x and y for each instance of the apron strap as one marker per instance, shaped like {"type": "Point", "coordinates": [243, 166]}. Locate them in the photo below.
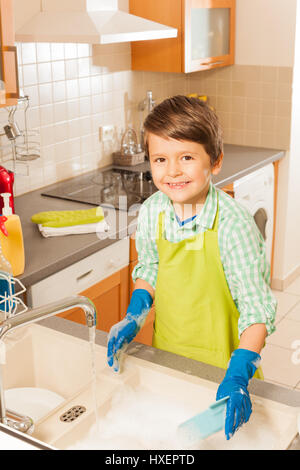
{"type": "Point", "coordinates": [216, 221]}
{"type": "Point", "coordinates": [160, 226]}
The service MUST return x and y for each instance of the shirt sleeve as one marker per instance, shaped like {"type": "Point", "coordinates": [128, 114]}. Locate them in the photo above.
{"type": "Point", "coordinates": [145, 243]}
{"type": "Point", "coordinates": [248, 275]}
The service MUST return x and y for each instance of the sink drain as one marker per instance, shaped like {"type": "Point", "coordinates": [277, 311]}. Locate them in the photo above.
{"type": "Point", "coordinates": [72, 414]}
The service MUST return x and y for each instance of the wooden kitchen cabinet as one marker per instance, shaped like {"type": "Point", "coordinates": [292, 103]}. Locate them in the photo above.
{"type": "Point", "coordinates": [110, 297]}
{"type": "Point", "coordinates": [206, 35]}
{"type": "Point", "coordinates": [229, 189]}
{"type": "Point", "coordinates": [103, 277]}
{"type": "Point", "coordinates": [8, 60]}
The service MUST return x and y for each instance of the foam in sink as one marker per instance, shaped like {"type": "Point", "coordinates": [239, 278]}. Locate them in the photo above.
{"type": "Point", "coordinates": [144, 413]}
{"type": "Point", "coordinates": [137, 419]}
{"type": "Point", "coordinates": [33, 402]}
{"type": "Point", "coordinates": [140, 419]}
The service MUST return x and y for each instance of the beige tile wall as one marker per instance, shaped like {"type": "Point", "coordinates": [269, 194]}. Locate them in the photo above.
{"type": "Point", "coordinates": [76, 88]}
{"type": "Point", "coordinates": [253, 102]}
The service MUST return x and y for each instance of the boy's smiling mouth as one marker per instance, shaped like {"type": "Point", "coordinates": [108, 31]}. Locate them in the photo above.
{"type": "Point", "coordinates": [178, 185]}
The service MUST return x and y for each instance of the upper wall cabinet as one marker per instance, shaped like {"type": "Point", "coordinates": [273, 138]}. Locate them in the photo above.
{"type": "Point", "coordinates": [206, 31]}
{"type": "Point", "coordinates": [9, 92]}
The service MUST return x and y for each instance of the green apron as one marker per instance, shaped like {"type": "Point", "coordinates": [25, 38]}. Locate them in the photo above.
{"type": "Point", "coordinates": [195, 315]}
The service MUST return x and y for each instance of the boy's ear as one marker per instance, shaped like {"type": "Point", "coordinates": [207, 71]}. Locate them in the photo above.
{"type": "Point", "coordinates": [218, 165]}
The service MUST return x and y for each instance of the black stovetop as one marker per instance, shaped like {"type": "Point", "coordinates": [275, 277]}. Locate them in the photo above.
{"type": "Point", "coordinates": [112, 187]}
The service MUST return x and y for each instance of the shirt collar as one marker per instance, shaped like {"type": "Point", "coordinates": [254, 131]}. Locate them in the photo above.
{"type": "Point", "coordinates": [206, 217]}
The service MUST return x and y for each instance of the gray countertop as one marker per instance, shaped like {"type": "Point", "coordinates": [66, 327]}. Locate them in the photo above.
{"type": "Point", "coordinates": [46, 256]}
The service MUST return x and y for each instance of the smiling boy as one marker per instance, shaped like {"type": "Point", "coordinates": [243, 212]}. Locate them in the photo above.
{"type": "Point", "coordinates": [201, 256]}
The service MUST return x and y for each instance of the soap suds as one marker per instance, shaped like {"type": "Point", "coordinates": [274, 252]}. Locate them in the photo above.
{"type": "Point", "coordinates": [140, 419]}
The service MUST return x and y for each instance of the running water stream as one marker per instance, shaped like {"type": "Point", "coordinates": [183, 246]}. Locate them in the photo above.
{"type": "Point", "coordinates": [92, 337]}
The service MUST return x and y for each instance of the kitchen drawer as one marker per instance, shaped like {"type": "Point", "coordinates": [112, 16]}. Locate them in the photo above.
{"type": "Point", "coordinates": [81, 275]}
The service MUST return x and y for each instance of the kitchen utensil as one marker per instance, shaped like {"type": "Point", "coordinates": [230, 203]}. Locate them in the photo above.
{"type": "Point", "coordinates": [204, 424]}
{"type": "Point", "coordinates": [29, 149]}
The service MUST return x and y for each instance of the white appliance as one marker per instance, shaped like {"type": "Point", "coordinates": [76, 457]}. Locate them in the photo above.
{"type": "Point", "coordinates": [256, 192]}
{"type": "Point", "coordinates": [88, 21]}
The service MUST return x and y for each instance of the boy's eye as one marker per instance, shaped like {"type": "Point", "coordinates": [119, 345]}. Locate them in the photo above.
{"type": "Point", "coordinates": [187, 157]}
{"type": "Point", "coordinates": [159, 160]}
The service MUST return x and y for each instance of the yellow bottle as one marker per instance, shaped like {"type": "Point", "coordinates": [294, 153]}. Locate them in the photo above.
{"type": "Point", "coordinates": [13, 245]}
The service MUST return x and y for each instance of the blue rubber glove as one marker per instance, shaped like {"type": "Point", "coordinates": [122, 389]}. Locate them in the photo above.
{"type": "Point", "coordinates": [122, 333]}
{"type": "Point", "coordinates": [241, 368]}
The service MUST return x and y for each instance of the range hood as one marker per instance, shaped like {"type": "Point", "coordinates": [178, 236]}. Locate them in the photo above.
{"type": "Point", "coordinates": [89, 21]}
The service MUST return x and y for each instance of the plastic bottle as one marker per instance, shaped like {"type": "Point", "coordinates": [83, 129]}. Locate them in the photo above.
{"type": "Point", "coordinates": [6, 287]}
{"type": "Point", "coordinates": [13, 245]}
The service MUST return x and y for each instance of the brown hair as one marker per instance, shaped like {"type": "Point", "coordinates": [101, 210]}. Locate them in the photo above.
{"type": "Point", "coordinates": [184, 118]}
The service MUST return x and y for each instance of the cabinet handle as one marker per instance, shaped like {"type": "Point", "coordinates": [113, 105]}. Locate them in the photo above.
{"type": "Point", "coordinates": [79, 278]}
{"type": "Point", "coordinates": [213, 63]}
{"type": "Point", "coordinates": [114, 263]}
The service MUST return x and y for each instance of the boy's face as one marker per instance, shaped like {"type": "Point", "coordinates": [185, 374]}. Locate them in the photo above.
{"type": "Point", "coordinates": [181, 169]}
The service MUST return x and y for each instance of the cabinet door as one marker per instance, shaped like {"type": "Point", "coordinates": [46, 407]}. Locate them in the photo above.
{"type": "Point", "coordinates": [110, 298]}
{"type": "Point", "coordinates": [160, 55]}
{"type": "Point", "coordinates": [209, 34]}
{"type": "Point", "coordinates": [205, 40]}
{"type": "Point", "coordinates": [9, 63]}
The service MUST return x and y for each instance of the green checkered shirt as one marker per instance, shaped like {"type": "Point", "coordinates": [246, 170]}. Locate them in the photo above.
{"type": "Point", "coordinates": [242, 251]}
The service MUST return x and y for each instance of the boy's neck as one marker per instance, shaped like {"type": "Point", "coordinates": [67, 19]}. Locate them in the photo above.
{"type": "Point", "coordinates": [185, 211]}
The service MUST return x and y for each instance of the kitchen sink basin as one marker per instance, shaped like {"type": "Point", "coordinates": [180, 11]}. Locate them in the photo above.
{"type": "Point", "coordinates": [139, 408]}
{"type": "Point", "coordinates": [37, 356]}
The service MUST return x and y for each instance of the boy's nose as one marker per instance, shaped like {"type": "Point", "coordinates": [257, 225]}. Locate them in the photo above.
{"type": "Point", "coordinates": [174, 169]}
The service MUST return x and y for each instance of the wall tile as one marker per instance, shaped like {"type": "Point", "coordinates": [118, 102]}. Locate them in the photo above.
{"type": "Point", "coordinates": [45, 93]}
{"type": "Point", "coordinates": [283, 108]}
{"type": "Point", "coordinates": [71, 51]}
{"type": "Point", "coordinates": [253, 106]}
{"type": "Point", "coordinates": [59, 91]}
{"type": "Point", "coordinates": [28, 53]}
{"type": "Point", "coordinates": [58, 70]}
{"type": "Point", "coordinates": [238, 88]}
{"type": "Point", "coordinates": [30, 76]}
{"type": "Point", "coordinates": [269, 74]}
{"type": "Point", "coordinates": [57, 51]}
{"type": "Point", "coordinates": [43, 52]}
{"type": "Point", "coordinates": [71, 67]}
{"type": "Point", "coordinates": [72, 89]}
{"type": "Point", "coordinates": [46, 115]}
{"type": "Point", "coordinates": [285, 75]}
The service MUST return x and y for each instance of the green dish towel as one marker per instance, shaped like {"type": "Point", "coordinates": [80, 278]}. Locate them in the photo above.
{"type": "Point", "coordinates": [68, 218]}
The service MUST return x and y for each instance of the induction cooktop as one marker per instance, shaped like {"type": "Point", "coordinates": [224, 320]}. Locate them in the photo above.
{"type": "Point", "coordinates": [113, 187]}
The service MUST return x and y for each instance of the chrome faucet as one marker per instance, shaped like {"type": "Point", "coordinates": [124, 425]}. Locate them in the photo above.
{"type": "Point", "coordinates": [24, 423]}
